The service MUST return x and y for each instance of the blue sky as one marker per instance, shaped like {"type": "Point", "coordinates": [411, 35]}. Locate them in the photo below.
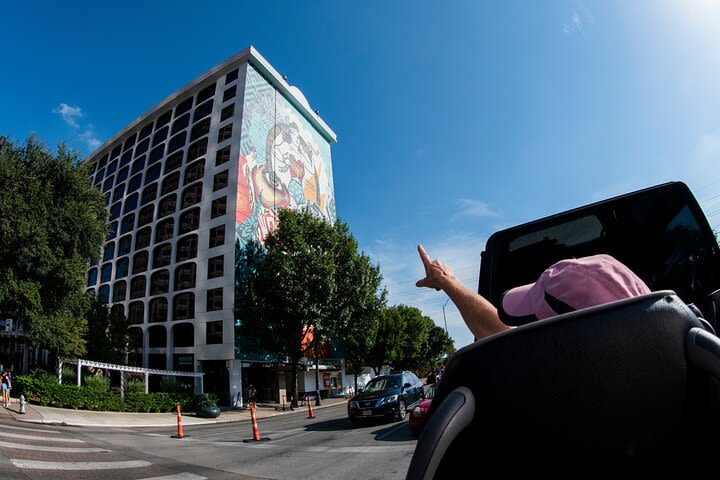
{"type": "Point", "coordinates": [454, 119]}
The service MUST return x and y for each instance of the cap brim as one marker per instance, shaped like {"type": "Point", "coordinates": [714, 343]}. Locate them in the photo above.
{"type": "Point", "coordinates": [515, 304]}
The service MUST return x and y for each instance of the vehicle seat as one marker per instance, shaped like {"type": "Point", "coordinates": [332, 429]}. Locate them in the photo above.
{"type": "Point", "coordinates": [710, 308]}
{"type": "Point", "coordinates": [608, 386]}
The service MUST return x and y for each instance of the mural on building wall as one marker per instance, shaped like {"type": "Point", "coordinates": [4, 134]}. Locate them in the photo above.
{"type": "Point", "coordinates": [284, 162]}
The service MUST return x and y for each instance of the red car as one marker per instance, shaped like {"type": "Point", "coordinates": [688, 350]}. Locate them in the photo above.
{"type": "Point", "coordinates": [418, 416]}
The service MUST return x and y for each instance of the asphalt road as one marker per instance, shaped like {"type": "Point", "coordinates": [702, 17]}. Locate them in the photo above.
{"type": "Point", "coordinates": [293, 447]}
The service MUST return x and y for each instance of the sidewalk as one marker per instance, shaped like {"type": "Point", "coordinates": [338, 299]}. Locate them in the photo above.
{"type": "Point", "coordinates": [86, 418]}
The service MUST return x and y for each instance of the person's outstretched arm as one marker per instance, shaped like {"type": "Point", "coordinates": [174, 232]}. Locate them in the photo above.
{"type": "Point", "coordinates": [479, 314]}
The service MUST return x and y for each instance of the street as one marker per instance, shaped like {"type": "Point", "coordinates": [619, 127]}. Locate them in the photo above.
{"type": "Point", "coordinates": [292, 447]}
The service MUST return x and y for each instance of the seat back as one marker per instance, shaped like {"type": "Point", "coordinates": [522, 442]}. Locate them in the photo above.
{"type": "Point", "coordinates": [608, 382]}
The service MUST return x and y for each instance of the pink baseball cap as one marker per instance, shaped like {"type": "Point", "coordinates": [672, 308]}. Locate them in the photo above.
{"type": "Point", "coordinates": [573, 284]}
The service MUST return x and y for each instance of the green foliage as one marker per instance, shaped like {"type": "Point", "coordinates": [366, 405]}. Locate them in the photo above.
{"type": "Point", "coordinates": [108, 337]}
{"type": "Point", "coordinates": [205, 400]}
{"type": "Point", "coordinates": [51, 223]}
{"type": "Point", "coordinates": [135, 386]}
{"type": "Point", "coordinates": [96, 383]}
{"type": "Point", "coordinates": [171, 385]}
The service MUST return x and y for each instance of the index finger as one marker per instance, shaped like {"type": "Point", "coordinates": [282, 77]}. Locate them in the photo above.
{"type": "Point", "coordinates": [423, 255]}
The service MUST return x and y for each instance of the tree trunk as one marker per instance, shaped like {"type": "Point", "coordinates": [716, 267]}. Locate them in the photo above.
{"type": "Point", "coordinates": [293, 386]}
{"type": "Point", "coordinates": [317, 371]}
{"type": "Point", "coordinates": [355, 391]}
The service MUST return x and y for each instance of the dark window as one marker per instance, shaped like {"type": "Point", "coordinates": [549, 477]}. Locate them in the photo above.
{"type": "Point", "coordinates": [164, 119]}
{"type": "Point", "coordinates": [162, 255]}
{"type": "Point", "coordinates": [113, 230]}
{"type": "Point", "coordinates": [222, 156]}
{"type": "Point", "coordinates": [227, 112]}
{"type": "Point", "coordinates": [146, 215]}
{"type": "Point", "coordinates": [214, 332]}
{"type": "Point", "coordinates": [214, 299]}
{"type": "Point", "coordinates": [112, 168]}
{"type": "Point", "coordinates": [216, 267]}
{"type": "Point", "coordinates": [229, 93]}
{"type": "Point", "coordinates": [115, 211]}
{"type": "Point", "coordinates": [138, 165]}
{"type": "Point", "coordinates": [192, 195]}
{"type": "Point", "coordinates": [103, 161]}
{"type": "Point", "coordinates": [124, 245]}
{"type": "Point", "coordinates": [115, 151]}
{"type": "Point", "coordinates": [231, 77]}
{"type": "Point", "coordinates": [142, 238]}
{"type": "Point", "coordinates": [177, 142]}
{"type": "Point", "coordinates": [197, 149]}
{"type": "Point", "coordinates": [119, 291]}
{"type": "Point", "coordinates": [125, 159]}
{"type": "Point", "coordinates": [131, 203]}
{"type": "Point", "coordinates": [137, 287]}
{"type": "Point", "coordinates": [173, 162]}
{"type": "Point", "coordinates": [194, 171]}
{"type": "Point", "coordinates": [91, 169]}
{"type": "Point", "coordinates": [136, 313]}
{"type": "Point", "coordinates": [160, 282]}
{"type": "Point", "coordinates": [181, 123]}
{"type": "Point", "coordinates": [121, 268]}
{"type": "Point", "coordinates": [170, 183]}
{"type": "Point", "coordinates": [118, 193]}
{"type": "Point", "coordinates": [202, 111]}
{"type": "Point", "coordinates": [189, 221]}
{"type": "Point", "coordinates": [167, 205]}
{"type": "Point", "coordinates": [107, 199]}
{"type": "Point", "coordinates": [156, 154]}
{"type": "Point", "coordinates": [106, 273]}
{"type": "Point", "coordinates": [99, 176]}
{"type": "Point", "coordinates": [185, 276]}
{"type": "Point", "coordinates": [186, 248]}
{"type": "Point", "coordinates": [183, 107]}
{"type": "Point", "coordinates": [184, 306]}
{"type": "Point", "coordinates": [140, 262]}
{"type": "Point", "coordinates": [164, 230]}
{"type": "Point", "coordinates": [220, 181]}
{"type": "Point", "coordinates": [157, 309]}
{"type": "Point", "coordinates": [104, 293]}
{"type": "Point", "coordinates": [218, 207]}
{"type": "Point", "coordinates": [134, 183]}
{"type": "Point", "coordinates": [206, 93]}
{"type": "Point", "coordinates": [109, 252]}
{"type": "Point", "coordinates": [200, 130]}
{"type": "Point", "coordinates": [157, 338]}
{"type": "Point", "coordinates": [142, 147]}
{"type": "Point", "coordinates": [145, 131]}
{"type": "Point", "coordinates": [152, 174]}
{"type": "Point", "coordinates": [92, 277]}
{"type": "Point", "coordinates": [127, 224]}
{"type": "Point", "coordinates": [225, 132]}
{"type": "Point", "coordinates": [183, 336]}
{"type": "Point", "coordinates": [149, 194]}
{"type": "Point", "coordinates": [217, 236]}
{"type": "Point", "coordinates": [108, 184]}
{"type": "Point", "coordinates": [130, 141]}
{"type": "Point", "coordinates": [122, 175]}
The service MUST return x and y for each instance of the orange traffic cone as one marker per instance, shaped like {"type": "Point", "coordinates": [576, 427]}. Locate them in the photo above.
{"type": "Point", "coordinates": [179, 424]}
{"type": "Point", "coordinates": [256, 431]}
{"type": "Point", "coordinates": [310, 412]}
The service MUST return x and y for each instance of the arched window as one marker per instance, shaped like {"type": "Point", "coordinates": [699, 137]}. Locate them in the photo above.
{"type": "Point", "coordinates": [184, 306]}
{"type": "Point", "coordinates": [118, 192]}
{"type": "Point", "coordinates": [142, 238]}
{"type": "Point", "coordinates": [104, 293]}
{"type": "Point", "coordinates": [122, 174]}
{"type": "Point", "coordinates": [109, 252]}
{"type": "Point", "coordinates": [170, 183]}
{"type": "Point", "coordinates": [124, 245]}
{"type": "Point", "coordinates": [130, 203]}
{"type": "Point", "coordinates": [167, 205]}
{"type": "Point", "coordinates": [185, 276]}
{"type": "Point", "coordinates": [138, 287]}
{"type": "Point", "coordinates": [189, 221]}
{"type": "Point", "coordinates": [164, 230]}
{"type": "Point", "coordinates": [136, 340]}
{"type": "Point", "coordinates": [106, 273]}
{"type": "Point", "coordinates": [113, 230]}
{"type": "Point", "coordinates": [121, 268]}
{"type": "Point", "coordinates": [183, 335]}
{"type": "Point", "coordinates": [157, 337]}
{"type": "Point", "coordinates": [194, 171]}
{"type": "Point", "coordinates": [136, 313]}
{"type": "Point", "coordinates": [160, 282]}
{"type": "Point", "coordinates": [158, 308]}
{"type": "Point", "coordinates": [127, 224]}
{"type": "Point", "coordinates": [192, 195]}
{"type": "Point", "coordinates": [119, 291]}
{"type": "Point", "coordinates": [162, 255]}
{"type": "Point", "coordinates": [92, 277]}
{"type": "Point", "coordinates": [146, 215]}
{"type": "Point", "coordinates": [149, 193]}
{"type": "Point", "coordinates": [140, 262]}
{"type": "Point", "coordinates": [186, 248]}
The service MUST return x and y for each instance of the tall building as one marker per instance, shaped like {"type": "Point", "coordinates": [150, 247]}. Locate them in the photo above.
{"type": "Point", "coordinates": [205, 169]}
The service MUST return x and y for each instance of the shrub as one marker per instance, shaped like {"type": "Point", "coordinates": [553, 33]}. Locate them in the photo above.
{"type": "Point", "coordinates": [135, 386]}
{"type": "Point", "coordinates": [97, 383]}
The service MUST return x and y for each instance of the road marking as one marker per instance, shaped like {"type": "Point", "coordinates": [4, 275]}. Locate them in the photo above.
{"type": "Point", "coordinates": [42, 448]}
{"type": "Point", "coordinates": [33, 437]}
{"type": "Point", "coordinates": [392, 430]}
{"type": "Point", "coordinates": [39, 430]}
{"type": "Point", "coordinates": [41, 465]}
{"type": "Point", "coordinates": [291, 436]}
{"type": "Point", "coordinates": [178, 476]}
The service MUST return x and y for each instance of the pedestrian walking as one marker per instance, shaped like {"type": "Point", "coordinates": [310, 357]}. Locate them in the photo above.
{"type": "Point", "coordinates": [252, 395]}
{"type": "Point", "coordinates": [5, 389]}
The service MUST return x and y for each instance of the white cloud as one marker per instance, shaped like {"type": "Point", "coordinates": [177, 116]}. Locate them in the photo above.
{"type": "Point", "coordinates": [69, 114]}
{"type": "Point", "coordinates": [577, 22]}
{"type": "Point", "coordinates": [474, 208]}
{"type": "Point", "coordinates": [89, 137]}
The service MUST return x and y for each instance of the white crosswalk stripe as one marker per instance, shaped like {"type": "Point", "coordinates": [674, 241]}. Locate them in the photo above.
{"type": "Point", "coordinates": [179, 476]}
{"type": "Point", "coordinates": [43, 448]}
{"type": "Point", "coordinates": [35, 437]}
{"type": "Point", "coordinates": [38, 430]}
{"type": "Point", "coordinates": [42, 465]}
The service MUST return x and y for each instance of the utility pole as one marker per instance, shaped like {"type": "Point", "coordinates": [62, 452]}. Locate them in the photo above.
{"type": "Point", "coordinates": [444, 305]}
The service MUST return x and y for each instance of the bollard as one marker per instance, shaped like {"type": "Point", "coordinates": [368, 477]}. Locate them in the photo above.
{"type": "Point", "coordinates": [22, 404]}
{"type": "Point", "coordinates": [179, 424]}
{"type": "Point", "coordinates": [255, 430]}
{"type": "Point", "coordinates": [310, 411]}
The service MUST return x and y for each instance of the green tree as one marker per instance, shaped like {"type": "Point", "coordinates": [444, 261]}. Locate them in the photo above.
{"type": "Point", "coordinates": [52, 222]}
{"type": "Point", "coordinates": [108, 337]}
{"type": "Point", "coordinates": [437, 346]}
{"type": "Point", "coordinates": [389, 338]}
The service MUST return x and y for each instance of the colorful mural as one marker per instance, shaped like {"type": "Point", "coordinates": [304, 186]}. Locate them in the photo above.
{"type": "Point", "coordinates": [284, 162]}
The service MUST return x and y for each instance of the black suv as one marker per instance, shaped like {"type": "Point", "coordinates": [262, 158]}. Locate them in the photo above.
{"type": "Point", "coordinates": [386, 396]}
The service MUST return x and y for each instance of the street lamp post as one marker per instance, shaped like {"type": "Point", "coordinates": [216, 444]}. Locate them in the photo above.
{"type": "Point", "coordinates": [445, 319]}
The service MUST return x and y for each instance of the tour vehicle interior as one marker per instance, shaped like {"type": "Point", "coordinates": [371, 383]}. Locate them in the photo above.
{"type": "Point", "coordinates": [626, 387]}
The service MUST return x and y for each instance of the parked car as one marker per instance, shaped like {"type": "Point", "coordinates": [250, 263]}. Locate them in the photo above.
{"type": "Point", "coordinates": [418, 415]}
{"type": "Point", "coordinates": [386, 396]}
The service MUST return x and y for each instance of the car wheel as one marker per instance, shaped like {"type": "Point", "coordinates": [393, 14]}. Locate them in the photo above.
{"type": "Point", "coordinates": [402, 411]}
